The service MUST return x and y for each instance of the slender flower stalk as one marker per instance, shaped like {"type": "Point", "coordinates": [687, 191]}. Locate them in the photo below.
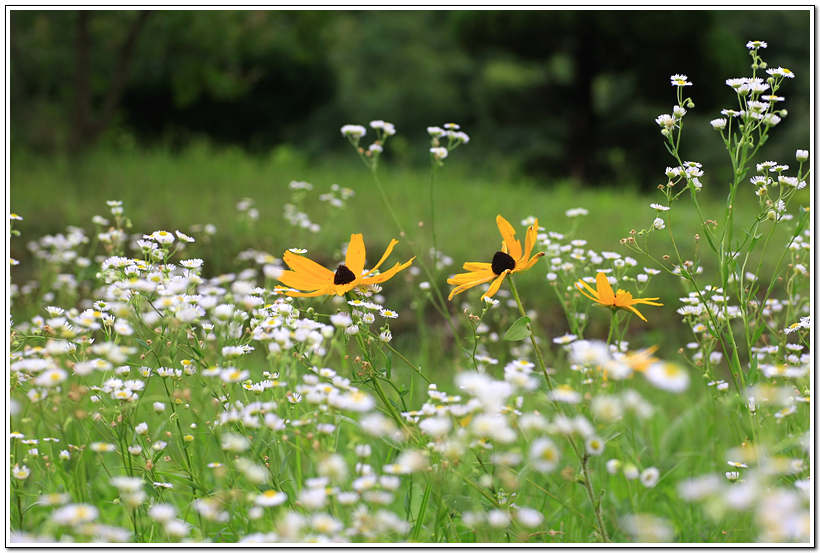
{"type": "Point", "coordinates": [582, 456]}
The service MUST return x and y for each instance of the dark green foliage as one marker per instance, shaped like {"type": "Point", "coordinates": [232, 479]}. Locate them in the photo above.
{"type": "Point", "coordinates": [555, 93]}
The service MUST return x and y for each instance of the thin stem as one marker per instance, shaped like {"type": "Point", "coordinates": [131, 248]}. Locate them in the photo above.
{"type": "Point", "coordinates": [582, 456]}
{"type": "Point", "coordinates": [532, 338]}
{"type": "Point", "coordinates": [442, 305]}
{"type": "Point", "coordinates": [596, 504]}
{"type": "Point", "coordinates": [412, 366]}
{"type": "Point", "coordinates": [612, 326]}
{"type": "Point", "coordinates": [433, 219]}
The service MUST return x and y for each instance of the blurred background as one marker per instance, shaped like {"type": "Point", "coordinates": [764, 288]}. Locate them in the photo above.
{"type": "Point", "coordinates": [550, 93]}
{"type": "Point", "coordinates": [182, 114]}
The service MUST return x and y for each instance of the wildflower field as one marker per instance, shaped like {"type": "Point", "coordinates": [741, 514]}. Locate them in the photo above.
{"type": "Point", "coordinates": [389, 367]}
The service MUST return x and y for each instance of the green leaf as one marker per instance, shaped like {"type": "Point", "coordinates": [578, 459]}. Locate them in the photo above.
{"type": "Point", "coordinates": [801, 223]}
{"type": "Point", "coordinates": [143, 344]}
{"type": "Point", "coordinates": [758, 333]}
{"type": "Point", "coordinates": [751, 378]}
{"type": "Point", "coordinates": [519, 330]}
{"type": "Point", "coordinates": [754, 238]}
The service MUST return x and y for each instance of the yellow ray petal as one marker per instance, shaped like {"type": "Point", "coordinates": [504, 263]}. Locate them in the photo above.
{"type": "Point", "coordinates": [313, 294]}
{"type": "Point", "coordinates": [638, 313]}
{"type": "Point", "coordinates": [354, 259]}
{"type": "Point", "coordinates": [463, 278]}
{"type": "Point", "coordinates": [508, 234]}
{"type": "Point", "coordinates": [646, 301]}
{"type": "Point", "coordinates": [529, 241]}
{"type": "Point", "coordinates": [605, 293]}
{"type": "Point", "coordinates": [342, 289]}
{"type": "Point", "coordinates": [470, 284]}
{"type": "Point", "coordinates": [495, 285]}
{"type": "Point", "coordinates": [381, 277]}
{"type": "Point", "coordinates": [477, 266]}
{"type": "Point", "coordinates": [302, 281]}
{"type": "Point", "coordinates": [384, 257]}
{"type": "Point", "coordinates": [593, 297]}
{"type": "Point", "coordinates": [307, 266]}
{"type": "Point", "coordinates": [531, 262]}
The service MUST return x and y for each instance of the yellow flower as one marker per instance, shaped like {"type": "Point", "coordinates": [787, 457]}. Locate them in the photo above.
{"type": "Point", "coordinates": [606, 297]}
{"type": "Point", "coordinates": [640, 360]}
{"type": "Point", "coordinates": [310, 279]}
{"type": "Point", "coordinates": [511, 259]}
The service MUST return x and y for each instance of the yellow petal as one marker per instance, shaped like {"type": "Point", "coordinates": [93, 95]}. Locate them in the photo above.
{"type": "Point", "coordinates": [622, 299]}
{"type": "Point", "coordinates": [605, 293]}
{"type": "Point", "coordinates": [638, 313]}
{"type": "Point", "coordinates": [508, 234]}
{"type": "Point", "coordinates": [594, 297]}
{"type": "Point", "coordinates": [342, 289]}
{"type": "Point", "coordinates": [313, 294]}
{"type": "Point", "coordinates": [306, 266]}
{"type": "Point", "coordinates": [384, 257]}
{"type": "Point", "coordinates": [469, 277]}
{"type": "Point", "coordinates": [529, 241]}
{"type": "Point", "coordinates": [381, 277]}
{"type": "Point", "coordinates": [477, 266]}
{"type": "Point", "coordinates": [529, 264]}
{"type": "Point", "coordinates": [646, 301]}
{"type": "Point", "coordinates": [495, 285]}
{"type": "Point", "coordinates": [302, 281]}
{"type": "Point", "coordinates": [470, 284]}
{"type": "Point", "coordinates": [355, 255]}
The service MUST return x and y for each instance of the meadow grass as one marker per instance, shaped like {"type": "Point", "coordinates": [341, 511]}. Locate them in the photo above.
{"type": "Point", "coordinates": [156, 397]}
{"type": "Point", "coordinates": [202, 184]}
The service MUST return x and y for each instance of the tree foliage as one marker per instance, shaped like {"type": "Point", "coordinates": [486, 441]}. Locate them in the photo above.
{"type": "Point", "coordinates": [556, 93]}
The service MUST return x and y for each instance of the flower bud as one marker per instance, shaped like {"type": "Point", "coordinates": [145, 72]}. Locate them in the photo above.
{"type": "Point", "coordinates": [802, 155]}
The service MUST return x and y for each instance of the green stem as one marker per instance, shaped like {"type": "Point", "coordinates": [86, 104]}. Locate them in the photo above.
{"type": "Point", "coordinates": [582, 456]}
{"type": "Point", "coordinates": [433, 219]}
{"type": "Point", "coordinates": [442, 305]}
{"type": "Point", "coordinates": [532, 338]}
{"type": "Point", "coordinates": [596, 504]}
{"type": "Point", "coordinates": [422, 509]}
{"type": "Point", "coordinates": [19, 507]}
{"type": "Point", "coordinates": [612, 326]}
{"type": "Point", "coordinates": [403, 358]}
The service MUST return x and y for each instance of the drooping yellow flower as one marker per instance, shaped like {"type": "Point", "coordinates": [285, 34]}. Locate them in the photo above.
{"type": "Point", "coordinates": [511, 259]}
{"type": "Point", "coordinates": [310, 279]}
{"type": "Point", "coordinates": [606, 297]}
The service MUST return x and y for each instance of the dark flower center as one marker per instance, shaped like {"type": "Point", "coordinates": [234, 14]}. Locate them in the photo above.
{"type": "Point", "coordinates": [344, 275]}
{"type": "Point", "coordinates": [502, 262]}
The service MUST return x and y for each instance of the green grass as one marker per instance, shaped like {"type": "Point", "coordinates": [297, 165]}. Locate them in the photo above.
{"type": "Point", "coordinates": [688, 434]}
{"type": "Point", "coordinates": [165, 190]}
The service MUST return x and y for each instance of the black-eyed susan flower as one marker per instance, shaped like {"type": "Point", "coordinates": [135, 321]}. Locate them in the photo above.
{"type": "Point", "coordinates": [605, 296]}
{"type": "Point", "coordinates": [511, 259]}
{"type": "Point", "coordinates": [309, 279]}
